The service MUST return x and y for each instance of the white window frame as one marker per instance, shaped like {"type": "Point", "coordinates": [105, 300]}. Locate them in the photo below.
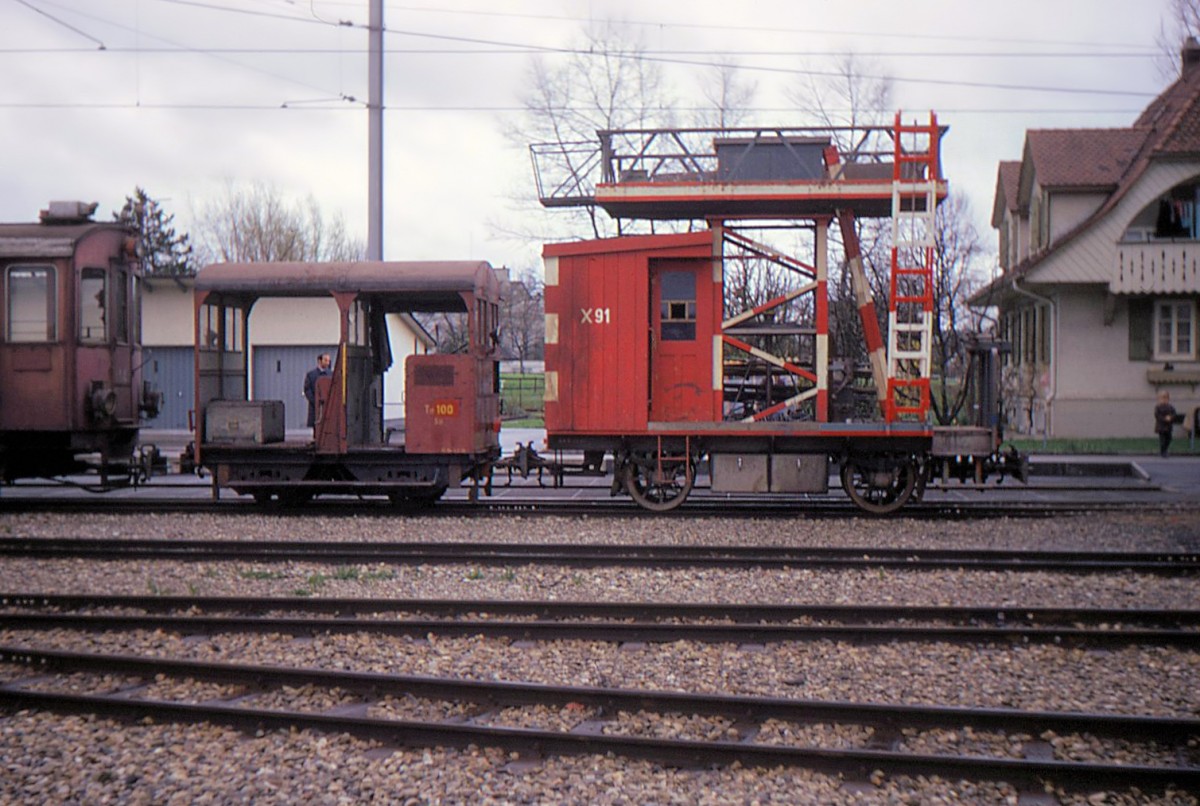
{"type": "Point", "coordinates": [1166, 312]}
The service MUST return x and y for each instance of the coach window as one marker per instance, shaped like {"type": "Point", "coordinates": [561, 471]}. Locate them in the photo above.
{"type": "Point", "coordinates": [120, 313]}
{"type": "Point", "coordinates": [136, 299]}
{"type": "Point", "coordinates": [678, 309]}
{"type": "Point", "coordinates": [93, 288]}
{"type": "Point", "coordinates": [31, 296]}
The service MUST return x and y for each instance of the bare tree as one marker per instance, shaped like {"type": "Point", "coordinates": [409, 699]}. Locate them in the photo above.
{"type": "Point", "coordinates": [853, 100]}
{"type": "Point", "coordinates": [1181, 22]}
{"type": "Point", "coordinates": [729, 96]}
{"type": "Point", "coordinates": [850, 104]}
{"type": "Point", "coordinates": [958, 253]}
{"type": "Point", "coordinates": [256, 223]}
{"type": "Point", "coordinates": [605, 83]}
{"type": "Point", "coordinates": [523, 314]}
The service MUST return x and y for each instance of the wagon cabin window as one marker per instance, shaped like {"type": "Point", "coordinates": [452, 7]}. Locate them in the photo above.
{"type": "Point", "coordinates": [358, 323]}
{"type": "Point", "coordinates": [92, 304]}
{"type": "Point", "coordinates": [31, 294]}
{"type": "Point", "coordinates": [678, 305]}
{"type": "Point", "coordinates": [234, 335]}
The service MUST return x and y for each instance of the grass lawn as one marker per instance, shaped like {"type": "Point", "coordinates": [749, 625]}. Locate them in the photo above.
{"type": "Point", "coordinates": [1181, 445]}
{"type": "Point", "coordinates": [525, 422]}
{"type": "Point", "coordinates": [522, 399]}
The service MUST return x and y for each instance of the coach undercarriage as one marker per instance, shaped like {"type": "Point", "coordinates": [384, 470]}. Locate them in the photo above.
{"type": "Point", "coordinates": [879, 473]}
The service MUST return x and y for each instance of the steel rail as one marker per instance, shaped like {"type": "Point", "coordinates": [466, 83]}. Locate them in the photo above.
{"type": "Point", "coordinates": [1070, 775]}
{"type": "Point", "coordinates": [597, 507]}
{"type": "Point", "coordinates": [1001, 615]}
{"type": "Point", "coordinates": [618, 631]}
{"type": "Point", "coordinates": [575, 554]}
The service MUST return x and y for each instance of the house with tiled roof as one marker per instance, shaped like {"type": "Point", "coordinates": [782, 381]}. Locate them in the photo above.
{"type": "Point", "coordinates": [1099, 284]}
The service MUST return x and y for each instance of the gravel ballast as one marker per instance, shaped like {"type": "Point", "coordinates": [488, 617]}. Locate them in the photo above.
{"type": "Point", "coordinates": [49, 758]}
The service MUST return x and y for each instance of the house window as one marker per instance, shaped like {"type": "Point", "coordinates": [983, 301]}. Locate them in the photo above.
{"type": "Point", "coordinates": [1005, 255]}
{"type": "Point", "coordinates": [1039, 221]}
{"type": "Point", "coordinates": [1174, 330]}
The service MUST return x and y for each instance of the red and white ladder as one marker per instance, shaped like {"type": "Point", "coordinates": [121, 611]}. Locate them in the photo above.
{"type": "Point", "coordinates": [915, 182]}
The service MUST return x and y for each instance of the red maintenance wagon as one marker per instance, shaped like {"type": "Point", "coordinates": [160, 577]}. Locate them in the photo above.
{"type": "Point", "coordinates": [450, 431]}
{"type": "Point", "coordinates": [712, 350]}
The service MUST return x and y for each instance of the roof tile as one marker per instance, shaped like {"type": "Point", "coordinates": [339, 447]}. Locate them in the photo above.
{"type": "Point", "coordinates": [1083, 158]}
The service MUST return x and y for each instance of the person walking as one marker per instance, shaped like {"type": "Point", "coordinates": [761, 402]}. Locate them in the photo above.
{"type": "Point", "coordinates": [1165, 418]}
{"type": "Point", "coordinates": [310, 386]}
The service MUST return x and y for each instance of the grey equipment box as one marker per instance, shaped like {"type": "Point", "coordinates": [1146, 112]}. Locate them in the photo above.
{"type": "Point", "coordinates": [799, 473]}
{"type": "Point", "coordinates": [963, 440]}
{"type": "Point", "coordinates": [253, 422]}
{"type": "Point", "coordinates": [739, 472]}
{"type": "Point", "coordinates": [788, 473]}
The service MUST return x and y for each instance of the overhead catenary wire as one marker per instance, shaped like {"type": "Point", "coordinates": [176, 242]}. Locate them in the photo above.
{"type": "Point", "coordinates": [664, 56]}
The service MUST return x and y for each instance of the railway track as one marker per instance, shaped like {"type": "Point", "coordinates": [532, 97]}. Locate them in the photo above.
{"type": "Point", "coordinates": [586, 501]}
{"type": "Point", "coordinates": [599, 722]}
{"type": "Point", "coordinates": [277, 663]}
{"type": "Point", "coordinates": [590, 555]}
{"type": "Point", "coordinates": [603, 621]}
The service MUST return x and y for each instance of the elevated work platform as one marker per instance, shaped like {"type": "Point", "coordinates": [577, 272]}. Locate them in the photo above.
{"type": "Point", "coordinates": [673, 174]}
{"type": "Point", "coordinates": [768, 196]}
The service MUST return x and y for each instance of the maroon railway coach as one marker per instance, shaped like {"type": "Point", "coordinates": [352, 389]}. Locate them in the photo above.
{"type": "Point", "coordinates": [450, 431]}
{"type": "Point", "coordinates": [71, 391]}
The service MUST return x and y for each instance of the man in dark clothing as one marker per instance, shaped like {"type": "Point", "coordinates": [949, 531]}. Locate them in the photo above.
{"type": "Point", "coordinates": [1165, 418]}
{"type": "Point", "coordinates": [310, 386]}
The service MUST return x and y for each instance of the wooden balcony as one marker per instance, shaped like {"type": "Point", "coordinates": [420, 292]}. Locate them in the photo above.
{"type": "Point", "coordinates": [1157, 267]}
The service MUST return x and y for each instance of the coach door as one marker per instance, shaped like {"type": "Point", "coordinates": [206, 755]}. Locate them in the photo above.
{"type": "Point", "coordinates": [681, 386]}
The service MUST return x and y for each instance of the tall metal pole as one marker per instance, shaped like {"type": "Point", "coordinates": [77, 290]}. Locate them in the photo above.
{"type": "Point", "coordinates": [375, 133]}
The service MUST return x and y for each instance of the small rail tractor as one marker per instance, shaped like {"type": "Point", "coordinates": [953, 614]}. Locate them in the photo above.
{"type": "Point", "coordinates": [709, 348]}
{"type": "Point", "coordinates": [450, 429]}
{"type": "Point", "coordinates": [72, 396]}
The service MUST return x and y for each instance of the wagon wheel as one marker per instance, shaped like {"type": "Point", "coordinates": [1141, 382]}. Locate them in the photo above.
{"type": "Point", "coordinates": [879, 487]}
{"type": "Point", "coordinates": [655, 491]}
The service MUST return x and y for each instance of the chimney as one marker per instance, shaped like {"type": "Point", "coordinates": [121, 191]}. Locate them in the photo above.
{"type": "Point", "coordinates": [1189, 55]}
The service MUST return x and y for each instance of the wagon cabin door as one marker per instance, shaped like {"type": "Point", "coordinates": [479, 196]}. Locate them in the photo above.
{"type": "Point", "coordinates": [681, 341]}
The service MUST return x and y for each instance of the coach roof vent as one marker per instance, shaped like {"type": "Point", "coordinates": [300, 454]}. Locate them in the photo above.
{"type": "Point", "coordinates": [68, 212]}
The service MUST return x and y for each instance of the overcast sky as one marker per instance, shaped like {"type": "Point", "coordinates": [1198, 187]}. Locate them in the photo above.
{"type": "Point", "coordinates": [189, 96]}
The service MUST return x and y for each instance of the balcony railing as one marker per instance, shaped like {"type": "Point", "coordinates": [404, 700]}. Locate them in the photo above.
{"type": "Point", "coordinates": [1157, 267]}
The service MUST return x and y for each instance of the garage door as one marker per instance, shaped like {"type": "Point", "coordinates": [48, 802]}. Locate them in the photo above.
{"type": "Point", "coordinates": [279, 375]}
{"type": "Point", "coordinates": [170, 369]}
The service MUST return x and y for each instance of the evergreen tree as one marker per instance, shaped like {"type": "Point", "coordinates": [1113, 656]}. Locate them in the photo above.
{"type": "Point", "coordinates": [164, 252]}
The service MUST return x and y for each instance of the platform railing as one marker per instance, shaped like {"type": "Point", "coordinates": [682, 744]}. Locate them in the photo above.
{"type": "Point", "coordinates": [567, 174]}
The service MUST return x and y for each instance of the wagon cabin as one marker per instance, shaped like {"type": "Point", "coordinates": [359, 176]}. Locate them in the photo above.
{"type": "Point", "coordinates": [450, 430]}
